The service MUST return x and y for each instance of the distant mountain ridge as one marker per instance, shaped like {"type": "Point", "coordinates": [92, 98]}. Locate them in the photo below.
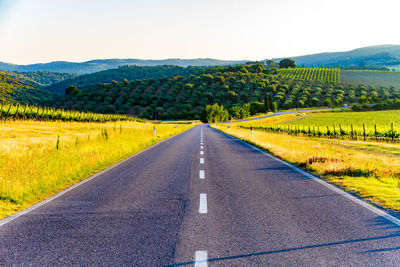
{"type": "Point", "coordinates": [380, 55]}
{"type": "Point", "coordinates": [105, 64]}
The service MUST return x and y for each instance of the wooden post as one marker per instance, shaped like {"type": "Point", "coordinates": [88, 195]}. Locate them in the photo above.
{"type": "Point", "coordinates": [364, 130]}
{"type": "Point", "coordinates": [24, 117]}
{"type": "Point", "coordinates": [392, 132]}
{"type": "Point", "coordinates": [16, 113]}
{"type": "Point", "coordinates": [8, 112]}
{"type": "Point", "coordinates": [1, 110]}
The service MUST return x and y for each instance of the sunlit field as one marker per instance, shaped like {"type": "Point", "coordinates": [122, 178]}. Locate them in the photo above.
{"type": "Point", "coordinates": [38, 159]}
{"type": "Point", "coordinates": [370, 169]}
{"type": "Point", "coordinates": [373, 125]}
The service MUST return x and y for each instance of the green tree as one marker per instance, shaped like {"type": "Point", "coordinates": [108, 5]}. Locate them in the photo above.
{"type": "Point", "coordinates": [287, 63]}
{"type": "Point", "coordinates": [72, 91]}
{"type": "Point", "coordinates": [214, 113]}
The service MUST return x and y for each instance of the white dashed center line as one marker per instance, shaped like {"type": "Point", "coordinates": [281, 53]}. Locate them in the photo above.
{"type": "Point", "coordinates": [201, 258]}
{"type": "Point", "coordinates": [201, 160]}
{"type": "Point", "coordinates": [202, 175]}
{"type": "Point", "coordinates": [203, 203]}
{"type": "Point", "coordinates": [201, 152]}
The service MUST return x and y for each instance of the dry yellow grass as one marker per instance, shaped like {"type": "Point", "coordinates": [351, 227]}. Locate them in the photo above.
{"type": "Point", "coordinates": [371, 170]}
{"type": "Point", "coordinates": [31, 167]}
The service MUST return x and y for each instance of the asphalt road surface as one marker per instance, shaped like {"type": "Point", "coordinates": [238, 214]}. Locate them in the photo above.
{"type": "Point", "coordinates": [201, 198]}
{"type": "Point", "coordinates": [280, 113]}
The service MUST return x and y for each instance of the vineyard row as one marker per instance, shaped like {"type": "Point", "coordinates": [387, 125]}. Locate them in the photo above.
{"type": "Point", "coordinates": [18, 112]}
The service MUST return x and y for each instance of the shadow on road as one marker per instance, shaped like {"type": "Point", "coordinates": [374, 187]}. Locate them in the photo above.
{"type": "Point", "coordinates": [380, 221]}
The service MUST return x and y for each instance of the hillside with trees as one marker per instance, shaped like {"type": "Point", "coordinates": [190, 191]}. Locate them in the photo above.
{"type": "Point", "coordinates": [39, 78]}
{"type": "Point", "coordinates": [122, 73]}
{"type": "Point", "coordinates": [231, 86]}
{"type": "Point", "coordinates": [371, 56]}
{"type": "Point", "coordinates": [15, 91]}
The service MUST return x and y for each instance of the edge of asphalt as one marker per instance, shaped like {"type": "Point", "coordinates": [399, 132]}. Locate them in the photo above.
{"type": "Point", "coordinates": [278, 113]}
{"type": "Point", "coordinates": [355, 198]}
{"type": "Point", "coordinates": [88, 179]}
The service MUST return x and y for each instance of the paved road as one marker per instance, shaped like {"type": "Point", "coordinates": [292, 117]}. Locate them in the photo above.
{"type": "Point", "coordinates": [279, 113]}
{"type": "Point", "coordinates": [166, 208]}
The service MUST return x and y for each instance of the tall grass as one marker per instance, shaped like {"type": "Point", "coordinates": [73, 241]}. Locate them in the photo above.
{"type": "Point", "coordinates": [38, 159]}
{"type": "Point", "coordinates": [370, 169]}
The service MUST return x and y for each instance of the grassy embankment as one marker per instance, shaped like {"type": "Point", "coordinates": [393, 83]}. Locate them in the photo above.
{"type": "Point", "coordinates": [32, 168]}
{"type": "Point", "coordinates": [369, 169]}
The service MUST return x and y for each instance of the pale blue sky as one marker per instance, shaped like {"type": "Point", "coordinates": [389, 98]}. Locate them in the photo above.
{"type": "Point", "coordinates": [34, 31]}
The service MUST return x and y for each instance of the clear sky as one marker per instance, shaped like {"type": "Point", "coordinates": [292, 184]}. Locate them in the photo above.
{"type": "Point", "coordinates": [34, 31]}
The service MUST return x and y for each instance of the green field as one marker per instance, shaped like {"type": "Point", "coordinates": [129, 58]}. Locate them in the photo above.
{"type": "Point", "coordinates": [375, 123]}
{"type": "Point", "coordinates": [376, 78]}
{"type": "Point", "coordinates": [383, 126]}
{"type": "Point", "coordinates": [380, 118]}
{"type": "Point", "coordinates": [312, 74]}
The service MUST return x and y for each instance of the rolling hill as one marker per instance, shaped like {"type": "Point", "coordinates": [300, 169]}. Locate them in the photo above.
{"type": "Point", "coordinates": [105, 64]}
{"type": "Point", "coordinates": [121, 73]}
{"type": "Point", "coordinates": [381, 55]}
{"type": "Point", "coordinates": [12, 90]}
{"type": "Point", "coordinates": [39, 78]}
{"type": "Point", "coordinates": [233, 86]}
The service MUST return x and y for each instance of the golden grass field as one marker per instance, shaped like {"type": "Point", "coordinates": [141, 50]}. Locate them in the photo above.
{"type": "Point", "coordinates": [31, 167]}
{"type": "Point", "coordinates": [369, 169]}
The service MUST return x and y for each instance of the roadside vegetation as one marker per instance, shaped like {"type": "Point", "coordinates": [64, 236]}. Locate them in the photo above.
{"type": "Point", "coordinates": [382, 126]}
{"type": "Point", "coordinates": [40, 158]}
{"type": "Point", "coordinates": [368, 168]}
{"type": "Point", "coordinates": [13, 112]}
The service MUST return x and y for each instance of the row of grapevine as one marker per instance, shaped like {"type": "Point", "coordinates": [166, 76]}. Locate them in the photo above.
{"type": "Point", "coordinates": [18, 112]}
{"type": "Point", "coordinates": [374, 133]}
{"type": "Point", "coordinates": [328, 75]}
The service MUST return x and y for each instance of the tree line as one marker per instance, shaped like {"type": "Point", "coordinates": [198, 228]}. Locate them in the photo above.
{"type": "Point", "coordinates": [184, 97]}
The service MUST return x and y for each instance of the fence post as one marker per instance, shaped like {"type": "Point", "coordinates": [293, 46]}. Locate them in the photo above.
{"type": "Point", "coordinates": [1, 110]}
{"type": "Point", "coordinates": [364, 130]}
{"type": "Point", "coordinates": [8, 113]}
{"type": "Point", "coordinates": [16, 113]}
{"type": "Point", "coordinates": [392, 132]}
